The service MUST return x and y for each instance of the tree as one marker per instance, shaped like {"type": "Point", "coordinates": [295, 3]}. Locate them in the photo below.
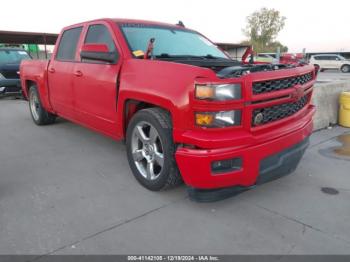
{"type": "Point", "coordinates": [262, 29]}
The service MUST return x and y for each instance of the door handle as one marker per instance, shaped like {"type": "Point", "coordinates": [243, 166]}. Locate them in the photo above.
{"type": "Point", "coordinates": [78, 73]}
{"type": "Point", "coordinates": [52, 70]}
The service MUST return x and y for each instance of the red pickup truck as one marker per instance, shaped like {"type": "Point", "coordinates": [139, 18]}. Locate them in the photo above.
{"type": "Point", "coordinates": [185, 109]}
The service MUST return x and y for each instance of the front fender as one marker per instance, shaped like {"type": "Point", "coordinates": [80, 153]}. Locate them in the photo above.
{"type": "Point", "coordinates": [165, 84]}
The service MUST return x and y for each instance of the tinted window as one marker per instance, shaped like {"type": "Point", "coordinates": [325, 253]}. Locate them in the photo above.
{"type": "Point", "coordinates": [68, 44]}
{"type": "Point", "coordinates": [100, 34]}
{"type": "Point", "coordinates": [330, 57]}
{"type": "Point", "coordinates": [323, 57]}
{"type": "Point", "coordinates": [13, 56]}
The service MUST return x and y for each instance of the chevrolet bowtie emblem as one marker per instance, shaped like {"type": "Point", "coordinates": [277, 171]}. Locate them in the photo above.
{"type": "Point", "coordinates": [297, 94]}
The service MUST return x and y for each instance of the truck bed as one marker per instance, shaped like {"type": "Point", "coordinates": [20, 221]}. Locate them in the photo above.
{"type": "Point", "coordinates": [33, 70]}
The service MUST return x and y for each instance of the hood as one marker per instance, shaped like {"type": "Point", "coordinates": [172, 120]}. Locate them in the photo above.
{"type": "Point", "coordinates": [9, 67]}
{"type": "Point", "coordinates": [225, 68]}
{"type": "Point", "coordinates": [214, 64]}
{"type": "Point", "coordinates": [10, 71]}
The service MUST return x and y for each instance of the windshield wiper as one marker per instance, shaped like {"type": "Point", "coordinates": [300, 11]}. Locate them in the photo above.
{"type": "Point", "coordinates": [208, 56]}
{"type": "Point", "coordinates": [177, 57]}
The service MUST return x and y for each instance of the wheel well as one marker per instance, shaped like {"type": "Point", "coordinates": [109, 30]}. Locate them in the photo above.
{"type": "Point", "coordinates": [131, 107]}
{"type": "Point", "coordinates": [28, 84]}
{"type": "Point", "coordinates": [345, 65]}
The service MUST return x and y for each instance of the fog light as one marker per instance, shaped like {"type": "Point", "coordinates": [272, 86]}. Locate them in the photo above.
{"type": "Point", "coordinates": [204, 119]}
{"type": "Point", "coordinates": [225, 166]}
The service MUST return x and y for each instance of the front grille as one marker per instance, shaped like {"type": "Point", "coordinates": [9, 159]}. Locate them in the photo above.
{"type": "Point", "coordinates": [12, 89]}
{"type": "Point", "coordinates": [10, 74]}
{"type": "Point", "coordinates": [266, 115]}
{"type": "Point", "coordinates": [280, 84]}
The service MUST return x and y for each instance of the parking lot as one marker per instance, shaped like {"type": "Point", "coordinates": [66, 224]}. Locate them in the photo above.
{"type": "Point", "coordinates": [67, 190]}
{"type": "Point", "coordinates": [332, 75]}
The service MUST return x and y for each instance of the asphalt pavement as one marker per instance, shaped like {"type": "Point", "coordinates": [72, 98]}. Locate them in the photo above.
{"type": "Point", "coordinates": [67, 190]}
{"type": "Point", "coordinates": [332, 75]}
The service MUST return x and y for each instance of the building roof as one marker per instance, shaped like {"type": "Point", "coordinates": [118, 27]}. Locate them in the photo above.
{"type": "Point", "coordinates": [12, 37]}
{"type": "Point", "coordinates": [231, 45]}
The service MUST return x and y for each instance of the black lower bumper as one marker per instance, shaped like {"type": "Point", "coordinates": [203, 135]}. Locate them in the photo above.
{"type": "Point", "coordinates": [271, 168]}
{"type": "Point", "coordinates": [10, 86]}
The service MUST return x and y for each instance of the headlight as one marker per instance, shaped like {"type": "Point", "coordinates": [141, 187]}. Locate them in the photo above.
{"type": "Point", "coordinates": [218, 119]}
{"type": "Point", "coordinates": [218, 92]}
{"type": "Point", "coordinates": [1, 76]}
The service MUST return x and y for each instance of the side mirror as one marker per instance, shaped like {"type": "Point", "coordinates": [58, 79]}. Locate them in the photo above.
{"type": "Point", "coordinates": [98, 52]}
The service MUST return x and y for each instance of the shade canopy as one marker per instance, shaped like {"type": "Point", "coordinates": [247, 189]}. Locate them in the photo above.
{"type": "Point", "coordinates": [11, 37]}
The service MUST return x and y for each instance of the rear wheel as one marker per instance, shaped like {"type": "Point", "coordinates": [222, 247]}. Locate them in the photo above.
{"type": "Point", "coordinates": [150, 149]}
{"type": "Point", "coordinates": [345, 68]}
{"type": "Point", "coordinates": [39, 115]}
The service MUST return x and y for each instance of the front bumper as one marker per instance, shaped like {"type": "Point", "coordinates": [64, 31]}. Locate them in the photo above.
{"type": "Point", "coordinates": [271, 168]}
{"type": "Point", "coordinates": [10, 86]}
{"type": "Point", "coordinates": [257, 159]}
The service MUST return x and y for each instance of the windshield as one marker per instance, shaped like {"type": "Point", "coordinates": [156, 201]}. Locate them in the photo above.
{"type": "Point", "coordinates": [13, 56]}
{"type": "Point", "coordinates": [169, 41]}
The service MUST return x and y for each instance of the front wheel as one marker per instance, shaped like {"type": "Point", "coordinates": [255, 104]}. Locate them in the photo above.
{"type": "Point", "coordinates": [317, 68]}
{"type": "Point", "coordinates": [39, 115]}
{"type": "Point", "coordinates": [150, 149]}
{"type": "Point", "coordinates": [345, 68]}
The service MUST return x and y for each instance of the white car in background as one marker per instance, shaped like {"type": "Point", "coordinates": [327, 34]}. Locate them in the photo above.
{"type": "Point", "coordinates": [330, 61]}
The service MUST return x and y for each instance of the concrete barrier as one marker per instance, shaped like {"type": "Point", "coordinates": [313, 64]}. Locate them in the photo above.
{"type": "Point", "coordinates": [326, 100]}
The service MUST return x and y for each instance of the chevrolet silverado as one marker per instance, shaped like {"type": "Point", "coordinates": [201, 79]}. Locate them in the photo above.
{"type": "Point", "coordinates": [186, 111]}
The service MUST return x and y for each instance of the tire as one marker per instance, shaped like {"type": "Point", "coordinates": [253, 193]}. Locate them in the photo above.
{"type": "Point", "coordinates": [39, 115]}
{"type": "Point", "coordinates": [317, 68]}
{"type": "Point", "coordinates": [150, 149]}
{"type": "Point", "coordinates": [345, 68]}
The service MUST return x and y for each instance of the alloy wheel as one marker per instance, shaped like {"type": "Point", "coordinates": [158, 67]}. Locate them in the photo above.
{"type": "Point", "coordinates": [34, 105]}
{"type": "Point", "coordinates": [147, 150]}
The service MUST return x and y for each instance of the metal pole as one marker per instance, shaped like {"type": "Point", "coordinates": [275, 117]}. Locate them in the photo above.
{"type": "Point", "coordinates": [278, 54]}
{"type": "Point", "coordinates": [45, 47]}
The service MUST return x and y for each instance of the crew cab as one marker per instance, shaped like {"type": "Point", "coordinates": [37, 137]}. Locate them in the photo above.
{"type": "Point", "coordinates": [186, 111]}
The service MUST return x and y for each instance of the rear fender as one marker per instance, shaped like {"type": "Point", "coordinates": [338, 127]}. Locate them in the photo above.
{"type": "Point", "coordinates": [35, 73]}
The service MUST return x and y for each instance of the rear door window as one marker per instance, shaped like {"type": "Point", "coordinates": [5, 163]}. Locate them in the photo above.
{"type": "Point", "coordinates": [13, 56]}
{"type": "Point", "coordinates": [68, 44]}
{"type": "Point", "coordinates": [322, 58]}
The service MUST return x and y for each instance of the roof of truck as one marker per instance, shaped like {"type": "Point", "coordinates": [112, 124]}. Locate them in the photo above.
{"type": "Point", "coordinates": [135, 21]}
{"type": "Point", "coordinates": [128, 21]}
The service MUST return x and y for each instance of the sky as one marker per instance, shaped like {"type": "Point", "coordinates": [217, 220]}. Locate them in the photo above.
{"type": "Point", "coordinates": [314, 25]}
